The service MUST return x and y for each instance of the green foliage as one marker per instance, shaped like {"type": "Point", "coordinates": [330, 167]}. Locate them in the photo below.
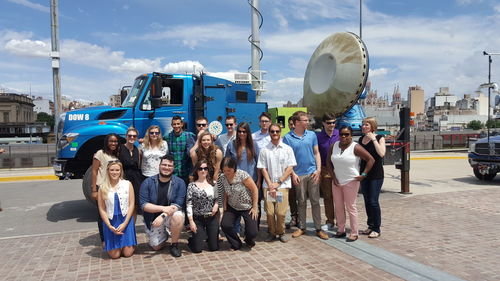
{"type": "Point", "coordinates": [493, 123]}
{"type": "Point", "coordinates": [44, 117]}
{"type": "Point", "coordinates": [475, 125]}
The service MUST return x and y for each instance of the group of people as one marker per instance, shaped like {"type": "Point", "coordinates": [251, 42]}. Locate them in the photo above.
{"type": "Point", "coordinates": [209, 183]}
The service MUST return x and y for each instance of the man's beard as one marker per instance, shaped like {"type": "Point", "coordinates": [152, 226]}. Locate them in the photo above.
{"type": "Point", "coordinates": [163, 175]}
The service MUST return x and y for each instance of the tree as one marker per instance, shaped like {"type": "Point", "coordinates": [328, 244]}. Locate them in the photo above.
{"type": "Point", "coordinates": [44, 117]}
{"type": "Point", "coordinates": [492, 123]}
{"type": "Point", "coordinates": [475, 125]}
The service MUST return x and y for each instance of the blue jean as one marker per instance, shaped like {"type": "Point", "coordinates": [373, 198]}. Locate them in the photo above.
{"type": "Point", "coordinates": [371, 191]}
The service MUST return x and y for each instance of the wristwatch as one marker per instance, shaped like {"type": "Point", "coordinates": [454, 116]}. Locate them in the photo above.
{"type": "Point", "coordinates": [163, 215]}
{"type": "Point", "coordinates": [279, 181]}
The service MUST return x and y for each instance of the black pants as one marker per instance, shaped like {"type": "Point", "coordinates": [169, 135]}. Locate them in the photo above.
{"type": "Point", "coordinates": [292, 201]}
{"type": "Point", "coordinates": [227, 225]}
{"type": "Point", "coordinates": [206, 228]}
{"type": "Point", "coordinates": [99, 222]}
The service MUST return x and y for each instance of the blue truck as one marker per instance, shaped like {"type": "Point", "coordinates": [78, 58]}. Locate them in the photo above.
{"type": "Point", "coordinates": [152, 100]}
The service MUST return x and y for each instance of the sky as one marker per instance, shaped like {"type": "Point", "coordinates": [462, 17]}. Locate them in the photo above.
{"type": "Point", "coordinates": [104, 45]}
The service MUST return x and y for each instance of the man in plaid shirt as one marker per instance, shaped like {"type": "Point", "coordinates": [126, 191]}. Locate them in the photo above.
{"type": "Point", "coordinates": [179, 144]}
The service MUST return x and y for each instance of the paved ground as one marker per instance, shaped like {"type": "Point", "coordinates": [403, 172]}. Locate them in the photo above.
{"type": "Point", "coordinates": [446, 229]}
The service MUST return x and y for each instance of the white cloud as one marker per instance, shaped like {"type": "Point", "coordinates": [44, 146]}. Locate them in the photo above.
{"type": "Point", "coordinates": [28, 48]}
{"type": "Point", "coordinates": [31, 5]}
{"type": "Point", "coordinates": [313, 9]}
{"type": "Point", "coordinates": [378, 72]}
{"type": "Point", "coordinates": [194, 35]}
{"type": "Point", "coordinates": [283, 90]}
{"type": "Point", "coordinates": [183, 67]}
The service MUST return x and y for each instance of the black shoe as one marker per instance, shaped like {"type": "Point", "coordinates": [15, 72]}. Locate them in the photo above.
{"type": "Point", "coordinates": [174, 250]}
{"type": "Point", "coordinates": [339, 235]}
{"type": "Point", "coordinates": [250, 243]}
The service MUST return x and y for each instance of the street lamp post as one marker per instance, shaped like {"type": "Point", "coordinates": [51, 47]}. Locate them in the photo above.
{"type": "Point", "coordinates": [489, 89]}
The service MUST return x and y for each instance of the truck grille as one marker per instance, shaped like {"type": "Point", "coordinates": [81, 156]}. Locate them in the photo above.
{"type": "Point", "coordinates": [483, 148]}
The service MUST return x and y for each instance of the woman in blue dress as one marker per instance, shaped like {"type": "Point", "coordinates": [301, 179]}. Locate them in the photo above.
{"type": "Point", "coordinates": [116, 204]}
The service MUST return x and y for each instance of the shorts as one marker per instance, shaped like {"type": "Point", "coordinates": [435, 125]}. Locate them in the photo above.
{"type": "Point", "coordinates": [160, 234]}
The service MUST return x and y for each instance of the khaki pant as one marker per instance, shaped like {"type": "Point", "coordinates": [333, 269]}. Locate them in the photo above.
{"type": "Point", "coordinates": [326, 189]}
{"type": "Point", "coordinates": [276, 212]}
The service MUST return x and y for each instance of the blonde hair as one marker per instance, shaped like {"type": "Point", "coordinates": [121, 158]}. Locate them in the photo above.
{"type": "Point", "coordinates": [147, 142]}
{"type": "Point", "coordinates": [372, 122]}
{"type": "Point", "coordinates": [106, 186]}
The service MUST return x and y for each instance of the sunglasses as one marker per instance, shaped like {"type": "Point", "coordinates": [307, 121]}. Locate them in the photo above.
{"type": "Point", "coordinates": [132, 136]}
{"type": "Point", "coordinates": [229, 124]}
{"type": "Point", "coordinates": [330, 122]}
{"type": "Point", "coordinates": [154, 133]}
{"type": "Point", "coordinates": [274, 131]}
{"type": "Point", "coordinates": [345, 135]}
{"type": "Point", "coordinates": [201, 125]}
{"type": "Point", "coordinates": [242, 132]}
{"type": "Point", "coordinates": [203, 169]}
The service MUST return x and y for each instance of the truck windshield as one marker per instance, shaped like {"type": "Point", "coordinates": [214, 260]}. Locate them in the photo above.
{"type": "Point", "coordinates": [133, 95]}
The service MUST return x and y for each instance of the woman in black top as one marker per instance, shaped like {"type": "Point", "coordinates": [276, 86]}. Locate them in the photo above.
{"type": "Point", "coordinates": [372, 184]}
{"type": "Point", "coordinates": [130, 158]}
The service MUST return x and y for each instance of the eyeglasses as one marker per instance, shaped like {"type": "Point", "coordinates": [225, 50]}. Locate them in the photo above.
{"type": "Point", "coordinates": [201, 125]}
{"type": "Point", "coordinates": [330, 122]}
{"type": "Point", "coordinates": [345, 134]}
{"type": "Point", "coordinates": [154, 133]}
{"type": "Point", "coordinates": [229, 124]}
{"type": "Point", "coordinates": [132, 136]}
{"type": "Point", "coordinates": [274, 131]}
{"type": "Point", "coordinates": [264, 121]}
{"type": "Point", "coordinates": [203, 169]}
{"type": "Point", "coordinates": [242, 132]}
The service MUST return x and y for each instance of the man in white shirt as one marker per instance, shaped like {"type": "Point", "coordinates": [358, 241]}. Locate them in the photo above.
{"type": "Point", "coordinates": [276, 161]}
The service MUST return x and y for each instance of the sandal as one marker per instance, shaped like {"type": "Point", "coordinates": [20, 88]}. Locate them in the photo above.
{"type": "Point", "coordinates": [374, 234]}
{"type": "Point", "coordinates": [366, 231]}
{"type": "Point", "coordinates": [352, 238]}
{"type": "Point", "coordinates": [339, 235]}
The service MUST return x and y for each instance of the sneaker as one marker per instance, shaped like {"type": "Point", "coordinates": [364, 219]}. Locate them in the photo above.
{"type": "Point", "coordinates": [327, 226]}
{"type": "Point", "coordinates": [270, 238]}
{"type": "Point", "coordinates": [298, 232]}
{"type": "Point", "coordinates": [321, 234]}
{"type": "Point", "coordinates": [292, 223]}
{"type": "Point", "coordinates": [174, 250]}
{"type": "Point", "coordinates": [283, 238]}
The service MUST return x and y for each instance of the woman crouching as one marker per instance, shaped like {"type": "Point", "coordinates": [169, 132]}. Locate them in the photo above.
{"type": "Point", "coordinates": [116, 207]}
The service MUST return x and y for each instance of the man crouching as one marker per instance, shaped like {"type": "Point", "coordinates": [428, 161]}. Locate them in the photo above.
{"type": "Point", "coordinates": [162, 200]}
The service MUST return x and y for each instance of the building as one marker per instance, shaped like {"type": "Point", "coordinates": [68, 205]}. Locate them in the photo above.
{"type": "Point", "coordinates": [17, 117]}
{"type": "Point", "coordinates": [43, 105]}
{"type": "Point", "coordinates": [416, 99]}
{"type": "Point", "coordinates": [115, 100]}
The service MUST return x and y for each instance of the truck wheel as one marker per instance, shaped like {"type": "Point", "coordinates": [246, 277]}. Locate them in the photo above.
{"type": "Point", "coordinates": [485, 177]}
{"type": "Point", "coordinates": [86, 186]}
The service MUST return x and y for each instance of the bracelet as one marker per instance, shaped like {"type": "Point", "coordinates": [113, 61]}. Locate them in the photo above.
{"type": "Point", "coordinates": [364, 174]}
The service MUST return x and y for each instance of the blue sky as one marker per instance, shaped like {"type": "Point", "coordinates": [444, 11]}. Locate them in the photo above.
{"type": "Point", "coordinates": [106, 44]}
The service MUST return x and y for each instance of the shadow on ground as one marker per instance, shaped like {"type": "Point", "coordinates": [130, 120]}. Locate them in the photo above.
{"type": "Point", "coordinates": [80, 210]}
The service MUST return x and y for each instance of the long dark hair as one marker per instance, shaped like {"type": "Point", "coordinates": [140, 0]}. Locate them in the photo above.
{"type": "Point", "coordinates": [197, 166]}
{"type": "Point", "coordinates": [106, 149]}
{"type": "Point", "coordinates": [228, 162]}
{"type": "Point", "coordinates": [249, 142]}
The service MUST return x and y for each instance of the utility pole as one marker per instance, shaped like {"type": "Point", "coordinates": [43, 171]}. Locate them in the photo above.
{"type": "Point", "coordinates": [360, 17]}
{"type": "Point", "coordinates": [56, 81]}
{"type": "Point", "coordinates": [255, 71]}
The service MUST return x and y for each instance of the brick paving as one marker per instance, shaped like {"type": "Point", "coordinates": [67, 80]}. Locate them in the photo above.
{"type": "Point", "coordinates": [456, 232]}
{"type": "Point", "coordinates": [76, 256]}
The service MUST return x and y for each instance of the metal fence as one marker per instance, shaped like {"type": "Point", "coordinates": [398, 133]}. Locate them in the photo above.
{"type": "Point", "coordinates": [27, 155]}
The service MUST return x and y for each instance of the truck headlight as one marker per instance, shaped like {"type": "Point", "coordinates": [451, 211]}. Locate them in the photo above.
{"type": "Point", "coordinates": [472, 147]}
{"type": "Point", "coordinates": [66, 139]}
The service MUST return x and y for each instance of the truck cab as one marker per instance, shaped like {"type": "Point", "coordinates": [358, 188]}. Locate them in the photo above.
{"type": "Point", "coordinates": [153, 100]}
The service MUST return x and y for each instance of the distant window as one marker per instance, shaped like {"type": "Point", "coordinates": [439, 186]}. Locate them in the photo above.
{"type": "Point", "coordinates": [6, 117]}
{"type": "Point", "coordinates": [241, 96]}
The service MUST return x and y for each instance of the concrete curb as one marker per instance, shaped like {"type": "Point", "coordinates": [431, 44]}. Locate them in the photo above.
{"type": "Point", "coordinates": [29, 178]}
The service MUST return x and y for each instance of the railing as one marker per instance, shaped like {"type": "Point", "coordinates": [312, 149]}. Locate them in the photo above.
{"type": "Point", "coordinates": [27, 155]}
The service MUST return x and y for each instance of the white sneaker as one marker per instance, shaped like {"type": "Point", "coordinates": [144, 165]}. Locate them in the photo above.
{"type": "Point", "coordinates": [327, 227]}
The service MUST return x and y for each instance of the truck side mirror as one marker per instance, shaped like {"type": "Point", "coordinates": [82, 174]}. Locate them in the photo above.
{"type": "Point", "coordinates": [156, 92]}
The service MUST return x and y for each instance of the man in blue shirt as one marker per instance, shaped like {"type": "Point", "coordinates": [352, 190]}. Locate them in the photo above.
{"type": "Point", "coordinates": [306, 174]}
